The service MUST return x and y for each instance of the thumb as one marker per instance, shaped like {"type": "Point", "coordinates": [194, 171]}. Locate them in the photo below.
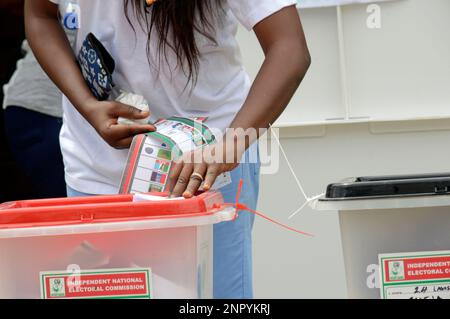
{"type": "Point", "coordinates": [129, 112]}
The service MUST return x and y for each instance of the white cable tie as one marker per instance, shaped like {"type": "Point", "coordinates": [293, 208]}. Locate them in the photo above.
{"type": "Point", "coordinates": [308, 200]}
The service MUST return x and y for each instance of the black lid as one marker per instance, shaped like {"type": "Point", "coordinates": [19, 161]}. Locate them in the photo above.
{"type": "Point", "coordinates": [389, 186]}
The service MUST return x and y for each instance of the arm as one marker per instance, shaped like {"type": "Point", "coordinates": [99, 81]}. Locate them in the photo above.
{"type": "Point", "coordinates": [52, 49]}
{"type": "Point", "coordinates": [286, 62]}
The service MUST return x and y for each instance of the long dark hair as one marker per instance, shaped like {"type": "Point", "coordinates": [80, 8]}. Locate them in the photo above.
{"type": "Point", "coordinates": [175, 23]}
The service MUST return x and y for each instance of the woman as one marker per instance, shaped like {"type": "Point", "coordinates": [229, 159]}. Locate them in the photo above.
{"type": "Point", "coordinates": [182, 56]}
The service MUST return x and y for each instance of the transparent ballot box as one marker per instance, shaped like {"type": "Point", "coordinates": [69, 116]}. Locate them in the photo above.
{"type": "Point", "coordinates": [387, 215]}
{"type": "Point", "coordinates": [119, 246]}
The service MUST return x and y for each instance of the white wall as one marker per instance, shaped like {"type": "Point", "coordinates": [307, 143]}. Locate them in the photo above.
{"type": "Point", "coordinates": [286, 264]}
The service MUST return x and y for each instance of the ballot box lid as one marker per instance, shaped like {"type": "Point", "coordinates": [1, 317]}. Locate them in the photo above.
{"type": "Point", "coordinates": [386, 192]}
{"type": "Point", "coordinates": [369, 187]}
{"type": "Point", "coordinates": [105, 209]}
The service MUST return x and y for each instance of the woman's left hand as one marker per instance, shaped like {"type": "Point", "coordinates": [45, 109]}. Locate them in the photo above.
{"type": "Point", "coordinates": [198, 166]}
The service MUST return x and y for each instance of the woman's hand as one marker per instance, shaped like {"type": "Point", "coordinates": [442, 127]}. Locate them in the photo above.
{"type": "Point", "coordinates": [103, 115]}
{"type": "Point", "coordinates": [54, 53]}
{"type": "Point", "coordinates": [204, 164]}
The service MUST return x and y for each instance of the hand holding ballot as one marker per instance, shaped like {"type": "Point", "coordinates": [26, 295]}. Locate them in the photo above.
{"type": "Point", "coordinates": [103, 116]}
{"type": "Point", "coordinates": [136, 101]}
{"type": "Point", "coordinates": [202, 166]}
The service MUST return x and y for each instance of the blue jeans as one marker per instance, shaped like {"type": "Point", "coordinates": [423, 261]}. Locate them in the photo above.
{"type": "Point", "coordinates": [34, 142]}
{"type": "Point", "coordinates": [232, 240]}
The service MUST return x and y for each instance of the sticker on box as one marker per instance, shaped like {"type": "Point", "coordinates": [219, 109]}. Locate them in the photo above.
{"type": "Point", "coordinates": [99, 283]}
{"type": "Point", "coordinates": [419, 275]}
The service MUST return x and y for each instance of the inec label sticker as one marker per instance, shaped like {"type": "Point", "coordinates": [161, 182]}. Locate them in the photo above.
{"type": "Point", "coordinates": [100, 283]}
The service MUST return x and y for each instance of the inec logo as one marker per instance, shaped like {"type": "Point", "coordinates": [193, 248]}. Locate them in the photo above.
{"type": "Point", "coordinates": [57, 287]}
{"type": "Point", "coordinates": [396, 270]}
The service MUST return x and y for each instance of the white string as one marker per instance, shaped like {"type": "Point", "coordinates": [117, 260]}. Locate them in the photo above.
{"type": "Point", "coordinates": [288, 162]}
{"type": "Point", "coordinates": [308, 200]}
{"type": "Point", "coordinates": [299, 184]}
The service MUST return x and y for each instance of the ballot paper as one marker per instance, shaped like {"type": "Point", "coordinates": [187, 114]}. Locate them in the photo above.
{"type": "Point", "coordinates": [87, 256]}
{"type": "Point", "coordinates": [136, 101]}
{"type": "Point", "coordinates": [151, 155]}
{"type": "Point", "coordinates": [418, 275]}
{"type": "Point", "coordinates": [152, 198]}
{"type": "Point", "coordinates": [329, 3]}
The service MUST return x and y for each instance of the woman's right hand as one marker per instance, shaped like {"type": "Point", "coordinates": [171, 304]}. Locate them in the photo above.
{"type": "Point", "coordinates": [103, 116]}
{"type": "Point", "coordinates": [50, 46]}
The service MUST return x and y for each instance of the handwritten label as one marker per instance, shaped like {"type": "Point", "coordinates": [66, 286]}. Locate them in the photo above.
{"type": "Point", "coordinates": [418, 292]}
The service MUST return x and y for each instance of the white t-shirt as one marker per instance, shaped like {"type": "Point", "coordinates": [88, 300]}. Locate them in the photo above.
{"type": "Point", "coordinates": [91, 165]}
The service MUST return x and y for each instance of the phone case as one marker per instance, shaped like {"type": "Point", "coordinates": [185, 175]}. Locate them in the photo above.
{"type": "Point", "coordinates": [97, 66]}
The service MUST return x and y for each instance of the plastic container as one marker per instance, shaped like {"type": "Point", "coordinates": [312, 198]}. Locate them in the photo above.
{"type": "Point", "coordinates": [104, 234]}
{"type": "Point", "coordinates": [383, 215]}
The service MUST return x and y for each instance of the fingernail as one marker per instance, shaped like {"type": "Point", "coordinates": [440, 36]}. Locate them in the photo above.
{"type": "Point", "coordinates": [187, 195]}
{"type": "Point", "coordinates": [206, 187]}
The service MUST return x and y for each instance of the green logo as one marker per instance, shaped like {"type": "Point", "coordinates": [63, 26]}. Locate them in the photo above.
{"type": "Point", "coordinates": [396, 270]}
{"type": "Point", "coordinates": [57, 287]}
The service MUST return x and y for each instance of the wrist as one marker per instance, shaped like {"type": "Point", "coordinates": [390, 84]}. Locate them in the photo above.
{"type": "Point", "coordinates": [86, 106]}
{"type": "Point", "coordinates": [233, 148]}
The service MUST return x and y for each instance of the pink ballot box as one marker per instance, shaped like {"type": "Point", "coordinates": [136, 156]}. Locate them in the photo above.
{"type": "Point", "coordinates": [120, 246]}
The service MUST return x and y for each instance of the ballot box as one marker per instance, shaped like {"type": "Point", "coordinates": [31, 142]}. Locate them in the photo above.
{"type": "Point", "coordinates": [392, 216]}
{"type": "Point", "coordinates": [120, 246]}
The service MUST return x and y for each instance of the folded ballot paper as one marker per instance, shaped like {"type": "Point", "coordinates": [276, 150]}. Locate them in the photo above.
{"type": "Point", "coordinates": [150, 156]}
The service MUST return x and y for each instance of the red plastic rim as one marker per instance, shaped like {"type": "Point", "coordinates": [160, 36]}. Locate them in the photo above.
{"type": "Point", "coordinates": [102, 209]}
